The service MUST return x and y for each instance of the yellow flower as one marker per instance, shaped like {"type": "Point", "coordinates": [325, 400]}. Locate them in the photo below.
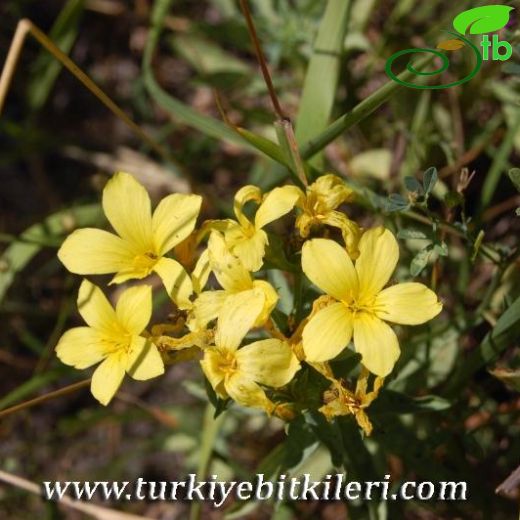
{"type": "Point", "coordinates": [238, 373]}
{"type": "Point", "coordinates": [361, 305]}
{"type": "Point", "coordinates": [142, 239]}
{"type": "Point", "coordinates": [247, 239]}
{"type": "Point", "coordinates": [319, 205]}
{"type": "Point", "coordinates": [113, 336]}
{"type": "Point", "coordinates": [234, 278]}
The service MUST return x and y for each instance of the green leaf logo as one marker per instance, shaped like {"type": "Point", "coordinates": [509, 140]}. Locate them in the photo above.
{"type": "Point", "coordinates": [481, 20]}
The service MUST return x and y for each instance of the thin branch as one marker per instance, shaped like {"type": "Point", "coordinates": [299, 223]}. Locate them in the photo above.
{"type": "Point", "coordinates": [261, 59]}
{"type": "Point", "coordinates": [26, 27]}
{"type": "Point", "coordinates": [47, 397]}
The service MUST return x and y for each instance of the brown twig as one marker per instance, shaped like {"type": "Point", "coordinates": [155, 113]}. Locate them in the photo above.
{"type": "Point", "coordinates": [41, 399]}
{"type": "Point", "coordinates": [261, 59]}
{"type": "Point", "coordinates": [26, 27]}
{"type": "Point", "coordinates": [502, 207]}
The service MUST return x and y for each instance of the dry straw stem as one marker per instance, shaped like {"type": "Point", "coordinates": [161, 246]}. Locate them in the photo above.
{"type": "Point", "coordinates": [47, 397]}
{"type": "Point", "coordinates": [26, 27]}
{"type": "Point", "coordinates": [93, 511]}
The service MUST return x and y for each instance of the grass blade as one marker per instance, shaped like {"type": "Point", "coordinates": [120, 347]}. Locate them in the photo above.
{"type": "Point", "coordinates": [180, 111]}
{"type": "Point", "coordinates": [43, 234]}
{"type": "Point", "coordinates": [46, 69]}
{"type": "Point", "coordinates": [358, 113]}
{"type": "Point", "coordinates": [321, 80]}
{"type": "Point", "coordinates": [505, 334]}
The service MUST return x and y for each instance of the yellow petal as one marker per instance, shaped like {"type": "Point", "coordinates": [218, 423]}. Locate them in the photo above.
{"type": "Point", "coordinates": [173, 220]}
{"type": "Point", "coordinates": [242, 196]}
{"type": "Point", "coordinates": [407, 304]}
{"type": "Point", "coordinates": [201, 272]}
{"type": "Point", "coordinates": [271, 299]}
{"type": "Point", "coordinates": [208, 226]}
{"type": "Point", "coordinates": [249, 248]}
{"type": "Point", "coordinates": [328, 332]}
{"type": "Point", "coordinates": [144, 360]}
{"type": "Point", "coordinates": [328, 266]}
{"type": "Point", "coordinates": [134, 309]}
{"type": "Point", "coordinates": [376, 342]}
{"type": "Point", "coordinates": [378, 255]}
{"type": "Point", "coordinates": [269, 362]}
{"type": "Point", "coordinates": [206, 308]}
{"type": "Point", "coordinates": [137, 271]}
{"type": "Point", "coordinates": [81, 347]}
{"type": "Point", "coordinates": [304, 223]}
{"type": "Point", "coordinates": [239, 313]}
{"type": "Point", "coordinates": [211, 366]}
{"type": "Point", "coordinates": [328, 192]}
{"type": "Point", "coordinates": [127, 207]}
{"type": "Point", "coordinates": [276, 204]}
{"type": "Point", "coordinates": [95, 309]}
{"type": "Point", "coordinates": [108, 377]}
{"type": "Point", "coordinates": [229, 270]}
{"type": "Point", "coordinates": [350, 231]}
{"type": "Point", "coordinates": [176, 281]}
{"type": "Point", "coordinates": [246, 392]}
{"type": "Point", "coordinates": [94, 251]}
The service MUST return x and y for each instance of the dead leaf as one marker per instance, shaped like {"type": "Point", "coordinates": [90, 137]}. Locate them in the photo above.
{"type": "Point", "coordinates": [511, 378]}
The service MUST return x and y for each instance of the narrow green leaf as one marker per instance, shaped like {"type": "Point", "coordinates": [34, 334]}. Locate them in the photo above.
{"type": "Point", "coordinates": [477, 244]}
{"type": "Point", "coordinates": [420, 261]}
{"type": "Point", "coordinates": [206, 57]}
{"type": "Point", "coordinates": [19, 253]}
{"type": "Point", "coordinates": [511, 378]}
{"type": "Point", "coordinates": [504, 334]}
{"type": "Point", "coordinates": [514, 175]}
{"type": "Point", "coordinates": [321, 80]}
{"type": "Point", "coordinates": [392, 402]}
{"type": "Point", "coordinates": [329, 434]}
{"type": "Point", "coordinates": [411, 234]}
{"type": "Point", "coordinates": [358, 113]}
{"type": "Point", "coordinates": [46, 68]}
{"type": "Point", "coordinates": [289, 147]}
{"type": "Point", "coordinates": [29, 387]}
{"type": "Point", "coordinates": [264, 145]}
{"type": "Point", "coordinates": [211, 428]}
{"type": "Point", "coordinates": [180, 111]}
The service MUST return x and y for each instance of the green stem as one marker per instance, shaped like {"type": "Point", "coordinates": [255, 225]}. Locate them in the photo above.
{"type": "Point", "coordinates": [210, 430]}
{"type": "Point", "coordinates": [358, 113]}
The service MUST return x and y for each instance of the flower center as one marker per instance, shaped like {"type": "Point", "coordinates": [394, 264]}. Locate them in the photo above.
{"type": "Point", "coordinates": [227, 363]}
{"type": "Point", "coordinates": [145, 262]}
{"type": "Point", "coordinates": [248, 230]}
{"type": "Point", "coordinates": [355, 306]}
